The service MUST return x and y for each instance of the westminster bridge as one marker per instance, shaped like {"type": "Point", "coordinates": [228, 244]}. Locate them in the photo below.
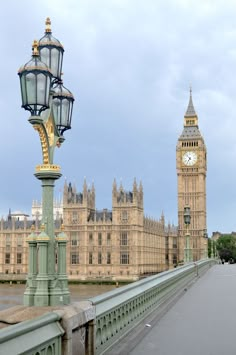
{"type": "Point", "coordinates": [187, 310]}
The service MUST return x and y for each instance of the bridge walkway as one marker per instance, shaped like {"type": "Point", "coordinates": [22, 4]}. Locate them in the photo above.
{"type": "Point", "coordinates": [201, 322]}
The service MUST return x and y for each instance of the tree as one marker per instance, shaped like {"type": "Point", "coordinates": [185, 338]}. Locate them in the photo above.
{"type": "Point", "coordinates": [226, 246]}
{"type": "Point", "coordinates": [209, 247]}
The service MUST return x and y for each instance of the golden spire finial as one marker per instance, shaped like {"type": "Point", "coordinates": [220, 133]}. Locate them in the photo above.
{"type": "Point", "coordinates": [48, 25]}
{"type": "Point", "coordinates": [35, 47]}
{"type": "Point", "coordinates": [62, 227]}
{"type": "Point", "coordinates": [42, 227]}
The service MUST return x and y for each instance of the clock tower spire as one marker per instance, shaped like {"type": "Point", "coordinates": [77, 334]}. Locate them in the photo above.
{"type": "Point", "coordinates": [191, 164]}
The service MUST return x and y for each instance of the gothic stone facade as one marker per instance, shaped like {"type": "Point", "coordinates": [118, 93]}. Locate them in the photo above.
{"type": "Point", "coordinates": [122, 244]}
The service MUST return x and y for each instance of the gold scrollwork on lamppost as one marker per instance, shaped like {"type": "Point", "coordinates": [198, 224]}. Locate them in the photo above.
{"type": "Point", "coordinates": [44, 142]}
{"type": "Point", "coordinates": [50, 130]}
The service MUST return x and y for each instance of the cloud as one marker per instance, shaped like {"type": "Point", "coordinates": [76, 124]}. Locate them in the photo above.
{"type": "Point", "coordinates": [129, 65]}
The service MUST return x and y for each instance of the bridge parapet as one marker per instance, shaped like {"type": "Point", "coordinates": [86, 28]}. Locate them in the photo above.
{"type": "Point", "coordinates": [120, 310]}
{"type": "Point", "coordinates": [42, 335]}
{"type": "Point", "coordinates": [94, 326]}
{"type": "Point", "coordinates": [65, 330]}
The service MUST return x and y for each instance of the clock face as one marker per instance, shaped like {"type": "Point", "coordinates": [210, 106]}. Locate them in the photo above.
{"type": "Point", "coordinates": [189, 158]}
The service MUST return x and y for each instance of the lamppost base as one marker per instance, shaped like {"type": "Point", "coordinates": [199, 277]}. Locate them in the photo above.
{"type": "Point", "coordinates": [28, 298]}
{"type": "Point", "coordinates": [58, 291]}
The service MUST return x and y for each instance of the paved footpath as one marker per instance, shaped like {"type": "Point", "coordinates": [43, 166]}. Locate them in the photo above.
{"type": "Point", "coordinates": [202, 321]}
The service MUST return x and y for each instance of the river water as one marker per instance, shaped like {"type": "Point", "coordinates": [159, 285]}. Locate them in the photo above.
{"type": "Point", "coordinates": [12, 295]}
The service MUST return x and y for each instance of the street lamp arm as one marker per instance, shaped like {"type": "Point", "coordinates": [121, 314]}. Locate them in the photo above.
{"type": "Point", "coordinates": [48, 134]}
{"type": "Point", "coordinates": [44, 142]}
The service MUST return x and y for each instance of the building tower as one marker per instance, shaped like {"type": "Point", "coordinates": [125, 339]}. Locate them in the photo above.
{"type": "Point", "coordinates": [191, 163]}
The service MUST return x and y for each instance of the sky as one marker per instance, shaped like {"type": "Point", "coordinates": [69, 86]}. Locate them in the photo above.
{"type": "Point", "coordinates": [129, 64]}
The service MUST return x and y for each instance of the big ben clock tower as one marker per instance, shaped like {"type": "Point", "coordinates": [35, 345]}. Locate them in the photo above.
{"type": "Point", "coordinates": [191, 163]}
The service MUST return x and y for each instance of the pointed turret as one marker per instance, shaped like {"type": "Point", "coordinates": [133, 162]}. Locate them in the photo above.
{"type": "Point", "coordinates": [121, 186]}
{"type": "Point", "coordinates": [114, 192]}
{"type": "Point", "coordinates": [9, 215]}
{"type": "Point", "coordinates": [141, 193]}
{"type": "Point", "coordinates": [191, 130]}
{"type": "Point", "coordinates": [140, 187]}
{"type": "Point", "coordinates": [65, 192]}
{"type": "Point", "coordinates": [190, 117]}
{"type": "Point", "coordinates": [85, 189]}
{"type": "Point", "coordinates": [65, 188]}
{"type": "Point", "coordinates": [69, 198]}
{"type": "Point", "coordinates": [114, 186]}
{"type": "Point", "coordinates": [162, 218]}
{"type": "Point", "coordinates": [93, 194]}
{"type": "Point", "coordinates": [190, 109]}
{"type": "Point", "coordinates": [134, 186]}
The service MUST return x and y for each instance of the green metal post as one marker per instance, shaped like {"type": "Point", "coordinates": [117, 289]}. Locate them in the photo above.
{"type": "Point", "coordinates": [188, 256]}
{"type": "Point", "coordinates": [61, 262]}
{"type": "Point", "coordinates": [48, 175]}
{"type": "Point", "coordinates": [41, 297]}
{"type": "Point", "coordinates": [32, 262]}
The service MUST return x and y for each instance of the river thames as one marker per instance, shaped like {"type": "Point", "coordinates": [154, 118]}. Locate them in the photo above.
{"type": "Point", "coordinates": [12, 295]}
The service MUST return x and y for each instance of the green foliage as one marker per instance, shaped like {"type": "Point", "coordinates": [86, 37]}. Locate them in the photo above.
{"type": "Point", "coordinates": [209, 247]}
{"type": "Point", "coordinates": [226, 247]}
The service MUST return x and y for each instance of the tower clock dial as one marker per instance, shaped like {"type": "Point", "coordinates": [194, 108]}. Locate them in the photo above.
{"type": "Point", "coordinates": [189, 158]}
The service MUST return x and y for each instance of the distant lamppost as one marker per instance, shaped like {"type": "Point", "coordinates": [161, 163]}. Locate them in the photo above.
{"type": "Point", "coordinates": [206, 244]}
{"type": "Point", "coordinates": [187, 220]}
{"type": "Point", "coordinates": [50, 105]}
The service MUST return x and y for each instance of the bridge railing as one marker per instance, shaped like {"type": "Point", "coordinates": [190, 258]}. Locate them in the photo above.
{"type": "Point", "coordinates": [93, 326]}
{"type": "Point", "coordinates": [66, 330]}
{"type": "Point", "coordinates": [42, 335]}
{"type": "Point", "coordinates": [120, 310]}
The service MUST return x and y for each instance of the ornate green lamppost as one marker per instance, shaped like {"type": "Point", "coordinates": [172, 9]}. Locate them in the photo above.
{"type": "Point", "coordinates": [187, 250]}
{"type": "Point", "coordinates": [50, 105]}
{"type": "Point", "coordinates": [205, 253]}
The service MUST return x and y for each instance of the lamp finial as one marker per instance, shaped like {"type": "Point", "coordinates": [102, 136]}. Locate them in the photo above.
{"type": "Point", "coordinates": [48, 25]}
{"type": "Point", "coordinates": [35, 48]}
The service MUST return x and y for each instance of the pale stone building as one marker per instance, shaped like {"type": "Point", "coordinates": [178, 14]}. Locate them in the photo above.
{"type": "Point", "coordinates": [121, 244]}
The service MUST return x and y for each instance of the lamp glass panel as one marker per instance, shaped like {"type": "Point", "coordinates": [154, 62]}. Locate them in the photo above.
{"type": "Point", "coordinates": [42, 94]}
{"type": "Point", "coordinates": [23, 89]}
{"type": "Point", "coordinates": [57, 111]}
{"type": "Point", "coordinates": [31, 88]}
{"type": "Point", "coordinates": [60, 62]}
{"type": "Point", "coordinates": [55, 53]}
{"type": "Point", "coordinates": [65, 112]}
{"type": "Point", "coordinates": [45, 56]}
{"type": "Point", "coordinates": [48, 84]}
{"type": "Point", "coordinates": [70, 113]}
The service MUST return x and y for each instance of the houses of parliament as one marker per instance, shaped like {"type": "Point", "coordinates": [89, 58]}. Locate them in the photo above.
{"type": "Point", "coordinates": [122, 243]}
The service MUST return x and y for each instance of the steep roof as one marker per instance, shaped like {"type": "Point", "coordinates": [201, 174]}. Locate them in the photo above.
{"type": "Point", "coordinates": [190, 109]}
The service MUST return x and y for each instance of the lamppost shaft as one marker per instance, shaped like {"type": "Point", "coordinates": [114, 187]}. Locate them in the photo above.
{"type": "Point", "coordinates": [48, 220]}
